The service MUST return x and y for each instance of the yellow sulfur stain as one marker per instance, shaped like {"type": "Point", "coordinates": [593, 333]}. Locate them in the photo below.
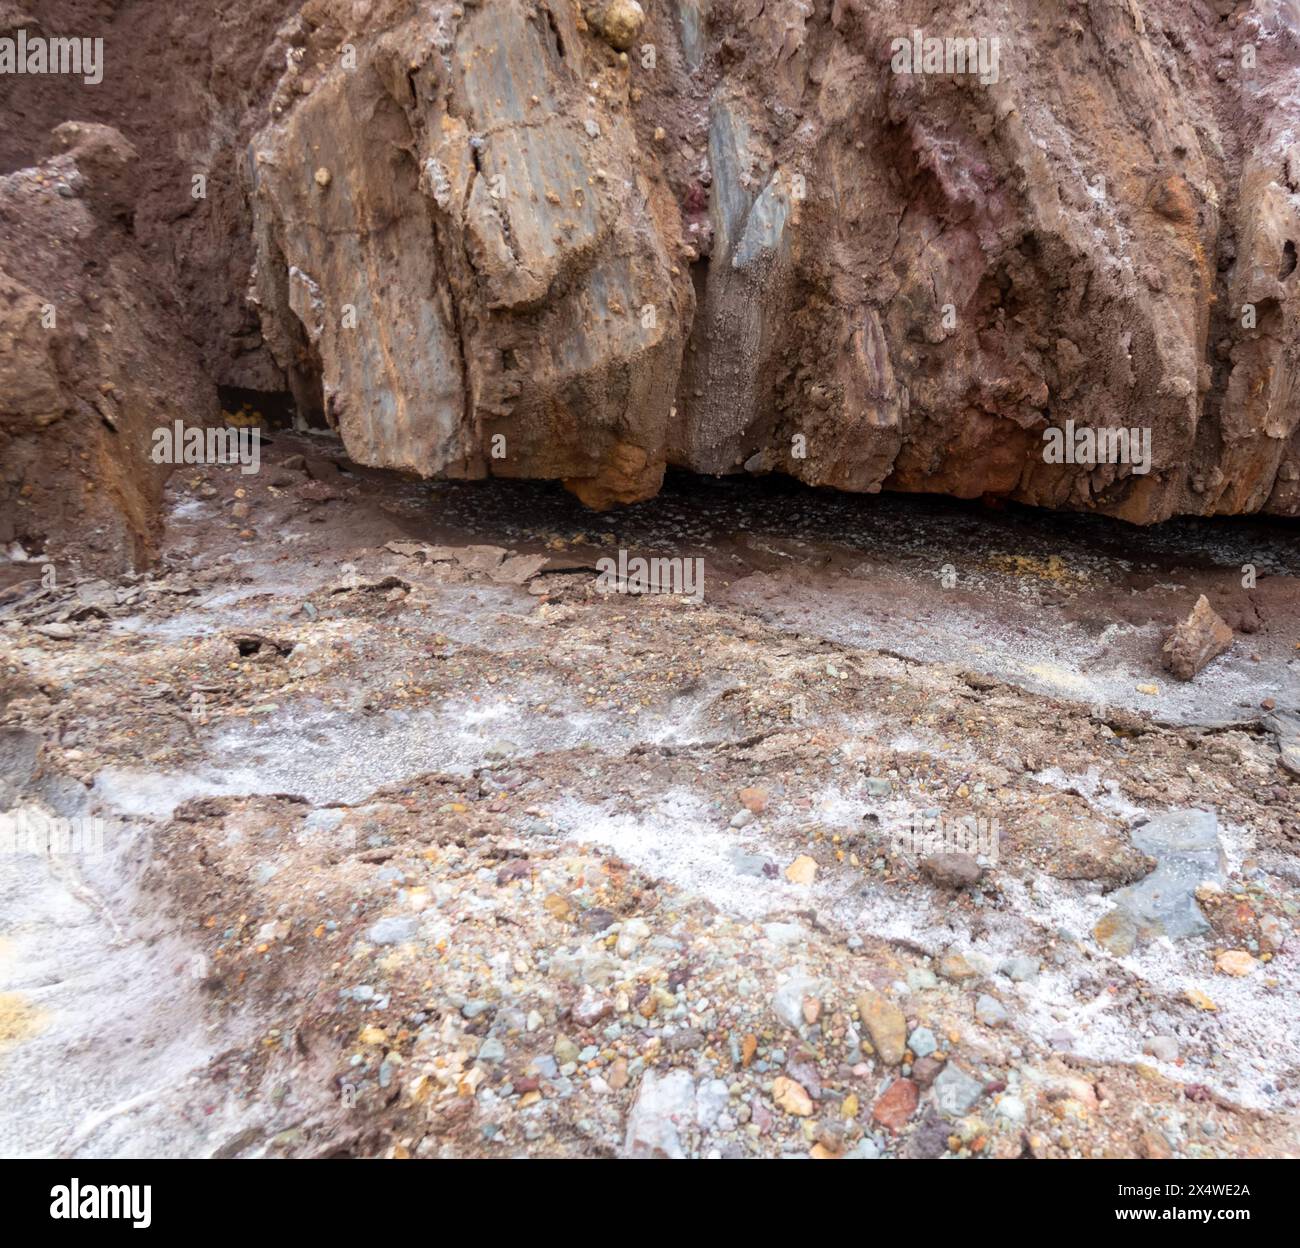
{"type": "Point", "coordinates": [1052, 568]}
{"type": "Point", "coordinates": [1058, 676]}
{"type": "Point", "coordinates": [19, 1019]}
{"type": "Point", "coordinates": [246, 418]}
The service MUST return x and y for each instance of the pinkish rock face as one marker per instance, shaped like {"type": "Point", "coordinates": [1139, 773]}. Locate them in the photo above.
{"type": "Point", "coordinates": [1011, 256]}
{"type": "Point", "coordinates": [1027, 260]}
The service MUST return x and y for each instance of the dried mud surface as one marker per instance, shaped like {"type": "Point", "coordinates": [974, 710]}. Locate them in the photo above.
{"type": "Point", "coordinates": [407, 860]}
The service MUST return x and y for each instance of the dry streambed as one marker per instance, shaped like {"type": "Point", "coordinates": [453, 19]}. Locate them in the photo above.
{"type": "Point", "coordinates": [412, 849]}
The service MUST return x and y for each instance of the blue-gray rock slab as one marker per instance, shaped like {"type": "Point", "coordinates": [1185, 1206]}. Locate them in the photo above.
{"type": "Point", "coordinates": [1285, 726]}
{"type": "Point", "coordinates": [955, 1092]}
{"type": "Point", "coordinates": [393, 930]}
{"type": "Point", "coordinates": [1188, 853]}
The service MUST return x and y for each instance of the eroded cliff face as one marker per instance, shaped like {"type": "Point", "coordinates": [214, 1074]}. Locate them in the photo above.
{"type": "Point", "coordinates": [587, 241]}
{"type": "Point", "coordinates": [459, 232]}
{"type": "Point", "coordinates": [491, 241]}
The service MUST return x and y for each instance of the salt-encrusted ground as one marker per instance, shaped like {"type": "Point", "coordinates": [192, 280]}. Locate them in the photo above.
{"type": "Point", "coordinates": [412, 850]}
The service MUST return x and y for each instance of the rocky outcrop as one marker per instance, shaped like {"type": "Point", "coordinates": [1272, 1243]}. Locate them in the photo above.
{"type": "Point", "coordinates": [461, 254]}
{"type": "Point", "coordinates": [1042, 250]}
{"type": "Point", "coordinates": [743, 239]}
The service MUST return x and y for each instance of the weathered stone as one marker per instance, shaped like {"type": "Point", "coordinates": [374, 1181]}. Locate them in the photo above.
{"type": "Point", "coordinates": [955, 1092]}
{"type": "Point", "coordinates": [928, 1139]}
{"type": "Point", "coordinates": [1201, 637]}
{"type": "Point", "coordinates": [896, 1104]}
{"type": "Point", "coordinates": [885, 1024]}
{"type": "Point", "coordinates": [1185, 845]}
{"type": "Point", "coordinates": [866, 1149]}
{"type": "Point", "coordinates": [956, 967]}
{"type": "Point", "coordinates": [952, 870]}
{"type": "Point", "coordinates": [663, 1103]}
{"type": "Point", "coordinates": [1165, 1048]}
{"type": "Point", "coordinates": [925, 1070]}
{"type": "Point", "coordinates": [518, 569]}
{"type": "Point", "coordinates": [618, 21]}
{"type": "Point", "coordinates": [1284, 723]}
{"type": "Point", "coordinates": [85, 381]}
{"type": "Point", "coordinates": [787, 1001]}
{"type": "Point", "coordinates": [393, 930]}
{"type": "Point", "coordinates": [515, 306]}
{"type": "Point", "coordinates": [1020, 969]}
{"type": "Point", "coordinates": [791, 1097]}
{"type": "Point", "coordinates": [753, 799]}
{"type": "Point", "coordinates": [590, 1008]}
{"type": "Point", "coordinates": [803, 870]}
{"type": "Point", "coordinates": [1234, 962]}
